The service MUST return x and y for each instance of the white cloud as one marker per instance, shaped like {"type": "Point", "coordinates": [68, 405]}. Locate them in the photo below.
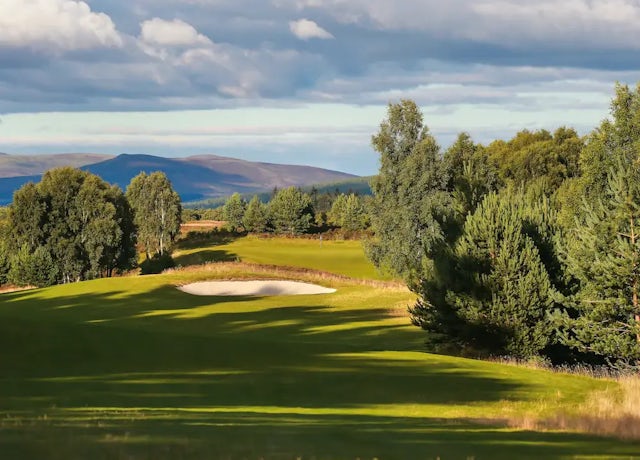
{"type": "Point", "coordinates": [55, 25]}
{"type": "Point", "coordinates": [512, 23]}
{"type": "Point", "coordinates": [305, 29]}
{"type": "Point", "coordinates": [160, 32]}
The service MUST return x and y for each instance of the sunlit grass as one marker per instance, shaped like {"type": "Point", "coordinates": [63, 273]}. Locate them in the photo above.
{"type": "Point", "coordinates": [135, 368]}
{"type": "Point", "coordinates": [341, 257]}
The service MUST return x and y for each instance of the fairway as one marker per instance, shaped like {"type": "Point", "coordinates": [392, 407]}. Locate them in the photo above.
{"type": "Point", "coordinates": [135, 368]}
{"type": "Point", "coordinates": [340, 257]}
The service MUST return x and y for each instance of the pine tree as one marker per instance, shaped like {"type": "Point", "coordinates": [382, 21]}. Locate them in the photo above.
{"type": "Point", "coordinates": [603, 253]}
{"type": "Point", "coordinates": [501, 291]}
{"type": "Point", "coordinates": [255, 217]}
{"type": "Point", "coordinates": [234, 210]}
{"type": "Point", "coordinates": [290, 211]}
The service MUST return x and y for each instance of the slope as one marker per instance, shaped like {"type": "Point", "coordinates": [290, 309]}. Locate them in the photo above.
{"type": "Point", "coordinates": [134, 368]}
{"type": "Point", "coordinates": [34, 165]}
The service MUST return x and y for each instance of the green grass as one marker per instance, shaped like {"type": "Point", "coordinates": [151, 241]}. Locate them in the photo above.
{"type": "Point", "coordinates": [340, 257]}
{"type": "Point", "coordinates": [134, 368]}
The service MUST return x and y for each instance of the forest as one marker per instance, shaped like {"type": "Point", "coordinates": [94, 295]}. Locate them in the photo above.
{"type": "Point", "coordinates": [527, 248]}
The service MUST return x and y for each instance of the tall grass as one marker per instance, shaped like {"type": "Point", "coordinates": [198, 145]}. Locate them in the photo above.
{"type": "Point", "coordinates": [608, 413]}
{"type": "Point", "coordinates": [612, 412]}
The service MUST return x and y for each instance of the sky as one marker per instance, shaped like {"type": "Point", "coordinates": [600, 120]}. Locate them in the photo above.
{"type": "Point", "coordinates": [302, 81]}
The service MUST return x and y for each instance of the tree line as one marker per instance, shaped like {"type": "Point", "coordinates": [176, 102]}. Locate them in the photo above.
{"type": "Point", "coordinates": [73, 226]}
{"type": "Point", "coordinates": [528, 247]}
{"type": "Point", "coordinates": [291, 211]}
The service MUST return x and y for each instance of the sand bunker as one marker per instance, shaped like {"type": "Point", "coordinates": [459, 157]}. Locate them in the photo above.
{"type": "Point", "coordinates": [257, 288]}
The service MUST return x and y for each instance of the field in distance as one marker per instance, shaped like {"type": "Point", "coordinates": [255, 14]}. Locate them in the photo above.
{"type": "Point", "coordinates": [134, 368]}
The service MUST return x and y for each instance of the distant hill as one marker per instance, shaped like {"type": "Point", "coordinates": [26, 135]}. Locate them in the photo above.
{"type": "Point", "coordinates": [34, 165]}
{"type": "Point", "coordinates": [194, 178]}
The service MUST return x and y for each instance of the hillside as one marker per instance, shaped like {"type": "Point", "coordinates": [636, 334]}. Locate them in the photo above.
{"type": "Point", "coordinates": [34, 165]}
{"type": "Point", "coordinates": [194, 178]}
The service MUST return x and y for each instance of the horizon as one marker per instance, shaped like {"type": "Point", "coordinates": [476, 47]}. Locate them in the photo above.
{"type": "Point", "coordinates": [302, 82]}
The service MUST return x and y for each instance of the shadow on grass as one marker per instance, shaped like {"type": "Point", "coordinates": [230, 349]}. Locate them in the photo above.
{"type": "Point", "coordinates": [216, 237]}
{"type": "Point", "coordinates": [202, 246]}
{"type": "Point", "coordinates": [162, 374]}
{"type": "Point", "coordinates": [204, 256]}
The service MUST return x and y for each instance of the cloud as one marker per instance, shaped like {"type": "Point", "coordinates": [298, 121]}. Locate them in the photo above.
{"type": "Point", "coordinates": [161, 32]}
{"type": "Point", "coordinates": [55, 25]}
{"type": "Point", "coordinates": [575, 24]}
{"type": "Point", "coordinates": [180, 54]}
{"type": "Point", "coordinates": [305, 29]}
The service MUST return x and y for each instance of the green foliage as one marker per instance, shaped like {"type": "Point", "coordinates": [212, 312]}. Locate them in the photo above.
{"type": "Point", "coordinates": [4, 222]}
{"type": "Point", "coordinates": [471, 175]}
{"type": "Point", "coordinates": [157, 211]}
{"type": "Point", "coordinates": [349, 213]}
{"type": "Point", "coordinates": [27, 217]}
{"type": "Point", "coordinates": [5, 263]}
{"type": "Point", "coordinates": [603, 253]}
{"type": "Point", "coordinates": [233, 211]}
{"type": "Point", "coordinates": [335, 216]}
{"type": "Point", "coordinates": [531, 156]}
{"type": "Point", "coordinates": [499, 292]}
{"type": "Point", "coordinates": [411, 208]}
{"type": "Point", "coordinates": [255, 217]}
{"type": "Point", "coordinates": [484, 264]}
{"type": "Point", "coordinates": [157, 264]}
{"type": "Point", "coordinates": [32, 268]}
{"type": "Point", "coordinates": [290, 211]}
{"type": "Point", "coordinates": [616, 139]}
{"type": "Point", "coordinates": [83, 224]}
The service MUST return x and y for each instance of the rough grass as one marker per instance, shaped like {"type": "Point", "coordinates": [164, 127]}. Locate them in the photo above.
{"type": "Point", "coordinates": [608, 412]}
{"type": "Point", "coordinates": [614, 411]}
{"type": "Point", "coordinates": [134, 368]}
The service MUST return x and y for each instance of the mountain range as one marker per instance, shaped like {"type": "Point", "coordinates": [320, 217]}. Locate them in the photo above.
{"type": "Point", "coordinates": [194, 178]}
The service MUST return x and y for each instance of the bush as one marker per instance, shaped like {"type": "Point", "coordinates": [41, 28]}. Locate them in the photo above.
{"type": "Point", "coordinates": [157, 264]}
{"type": "Point", "coordinates": [32, 268]}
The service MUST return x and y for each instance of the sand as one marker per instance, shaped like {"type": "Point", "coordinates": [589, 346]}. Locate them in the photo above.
{"type": "Point", "coordinates": [253, 288]}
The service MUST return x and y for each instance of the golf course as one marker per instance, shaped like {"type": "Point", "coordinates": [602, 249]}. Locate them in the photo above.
{"type": "Point", "coordinates": [133, 367]}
